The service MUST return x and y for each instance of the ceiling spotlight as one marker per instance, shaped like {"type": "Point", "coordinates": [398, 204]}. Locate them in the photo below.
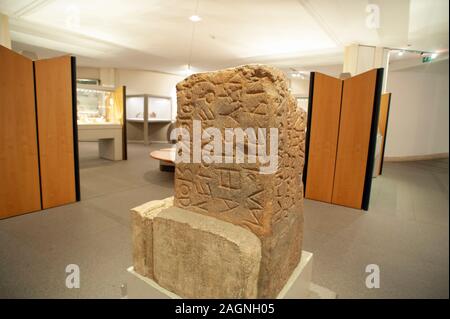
{"type": "Point", "coordinates": [400, 53]}
{"type": "Point", "coordinates": [187, 70]}
{"type": "Point", "coordinates": [195, 18]}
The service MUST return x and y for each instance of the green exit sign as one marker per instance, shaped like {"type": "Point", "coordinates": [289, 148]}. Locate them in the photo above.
{"type": "Point", "coordinates": [426, 59]}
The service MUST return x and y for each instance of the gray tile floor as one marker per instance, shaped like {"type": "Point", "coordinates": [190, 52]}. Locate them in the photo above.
{"type": "Point", "coordinates": [405, 233]}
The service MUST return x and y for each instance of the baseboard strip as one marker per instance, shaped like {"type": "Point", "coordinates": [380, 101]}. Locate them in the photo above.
{"type": "Point", "coordinates": [415, 157]}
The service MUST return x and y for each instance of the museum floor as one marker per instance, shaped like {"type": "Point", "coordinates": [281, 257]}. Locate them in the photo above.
{"type": "Point", "coordinates": [405, 233]}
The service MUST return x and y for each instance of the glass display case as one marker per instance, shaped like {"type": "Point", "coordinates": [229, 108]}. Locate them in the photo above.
{"type": "Point", "coordinates": [98, 106]}
{"type": "Point", "coordinates": [148, 118]}
{"type": "Point", "coordinates": [158, 109]}
{"type": "Point", "coordinates": [302, 102]}
{"type": "Point", "coordinates": [100, 117]}
{"type": "Point", "coordinates": [135, 108]}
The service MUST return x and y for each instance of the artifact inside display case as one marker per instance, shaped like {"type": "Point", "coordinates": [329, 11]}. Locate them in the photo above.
{"type": "Point", "coordinates": [97, 106]}
{"type": "Point", "coordinates": [159, 109]}
{"type": "Point", "coordinates": [234, 228]}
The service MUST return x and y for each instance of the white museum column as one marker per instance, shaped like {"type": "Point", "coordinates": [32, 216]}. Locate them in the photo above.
{"type": "Point", "coordinates": [5, 37]}
{"type": "Point", "coordinates": [361, 58]}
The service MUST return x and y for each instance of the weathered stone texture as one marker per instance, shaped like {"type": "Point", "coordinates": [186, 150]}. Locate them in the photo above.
{"type": "Point", "coordinates": [269, 205]}
{"type": "Point", "coordinates": [142, 232]}
{"type": "Point", "coordinates": [197, 256]}
{"type": "Point", "coordinates": [251, 96]}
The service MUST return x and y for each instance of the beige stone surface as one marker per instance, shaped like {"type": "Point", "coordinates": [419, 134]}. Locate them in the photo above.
{"type": "Point", "coordinates": [269, 205]}
{"type": "Point", "coordinates": [196, 256]}
{"type": "Point", "coordinates": [142, 234]}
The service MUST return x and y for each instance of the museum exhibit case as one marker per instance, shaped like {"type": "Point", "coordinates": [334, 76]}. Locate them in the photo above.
{"type": "Point", "coordinates": [40, 170]}
{"type": "Point", "coordinates": [100, 118]}
{"type": "Point", "coordinates": [148, 117]}
{"type": "Point", "coordinates": [302, 102]}
{"type": "Point", "coordinates": [341, 138]}
{"type": "Point", "coordinates": [232, 230]}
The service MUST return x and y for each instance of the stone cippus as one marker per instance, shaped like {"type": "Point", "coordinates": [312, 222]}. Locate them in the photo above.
{"type": "Point", "coordinates": [235, 145]}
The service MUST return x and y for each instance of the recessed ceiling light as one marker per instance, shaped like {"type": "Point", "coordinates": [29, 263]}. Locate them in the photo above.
{"type": "Point", "coordinates": [195, 18]}
{"type": "Point", "coordinates": [400, 53]}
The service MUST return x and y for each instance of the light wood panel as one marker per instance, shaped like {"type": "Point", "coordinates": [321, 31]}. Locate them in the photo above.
{"type": "Point", "coordinates": [120, 113]}
{"type": "Point", "coordinates": [19, 169]}
{"type": "Point", "coordinates": [55, 126]}
{"type": "Point", "coordinates": [326, 107]}
{"type": "Point", "coordinates": [354, 136]}
{"type": "Point", "coordinates": [382, 125]}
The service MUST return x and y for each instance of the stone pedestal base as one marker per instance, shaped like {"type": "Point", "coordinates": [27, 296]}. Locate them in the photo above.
{"type": "Point", "coordinates": [299, 285]}
{"type": "Point", "coordinates": [198, 256]}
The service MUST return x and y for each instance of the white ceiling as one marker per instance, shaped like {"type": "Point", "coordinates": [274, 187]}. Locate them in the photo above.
{"type": "Point", "coordinates": [157, 34]}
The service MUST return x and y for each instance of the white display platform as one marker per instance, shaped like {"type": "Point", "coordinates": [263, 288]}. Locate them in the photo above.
{"type": "Point", "coordinates": [299, 285]}
{"type": "Point", "coordinates": [109, 137]}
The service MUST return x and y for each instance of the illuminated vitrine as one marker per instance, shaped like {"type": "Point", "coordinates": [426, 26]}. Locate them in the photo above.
{"type": "Point", "coordinates": [99, 106]}
{"type": "Point", "coordinates": [148, 118]}
{"type": "Point", "coordinates": [100, 117]}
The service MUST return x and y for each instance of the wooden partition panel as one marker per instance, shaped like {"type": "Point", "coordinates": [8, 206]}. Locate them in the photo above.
{"type": "Point", "coordinates": [355, 130]}
{"type": "Point", "coordinates": [324, 112]}
{"type": "Point", "coordinates": [19, 168]}
{"type": "Point", "coordinates": [120, 113]}
{"type": "Point", "coordinates": [382, 125]}
{"type": "Point", "coordinates": [55, 126]}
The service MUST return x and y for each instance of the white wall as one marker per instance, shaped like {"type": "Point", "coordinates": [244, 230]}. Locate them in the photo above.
{"type": "Point", "coordinates": [88, 73]}
{"type": "Point", "coordinates": [147, 82]}
{"type": "Point", "coordinates": [419, 117]}
{"type": "Point", "coordinates": [299, 87]}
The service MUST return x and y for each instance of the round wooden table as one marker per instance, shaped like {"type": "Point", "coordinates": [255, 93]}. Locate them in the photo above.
{"type": "Point", "coordinates": [166, 157]}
